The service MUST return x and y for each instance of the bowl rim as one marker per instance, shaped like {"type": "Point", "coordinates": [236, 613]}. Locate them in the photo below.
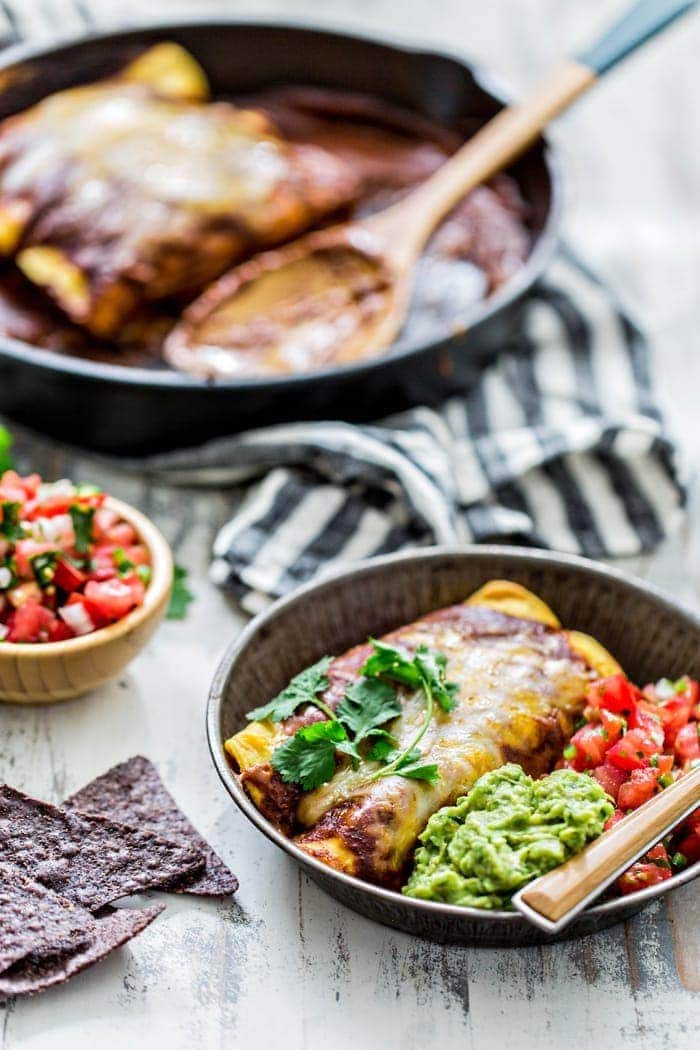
{"type": "Point", "coordinates": [541, 252]}
{"type": "Point", "coordinates": [453, 912]}
{"type": "Point", "coordinates": [157, 591]}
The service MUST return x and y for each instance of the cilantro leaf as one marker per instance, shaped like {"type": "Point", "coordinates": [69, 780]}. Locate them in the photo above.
{"type": "Point", "coordinates": [393, 662]}
{"type": "Point", "coordinates": [428, 772]}
{"type": "Point", "coordinates": [81, 518]}
{"type": "Point", "coordinates": [302, 689]}
{"type": "Point", "coordinates": [433, 668]}
{"type": "Point", "coordinates": [5, 446]}
{"type": "Point", "coordinates": [368, 703]}
{"type": "Point", "coordinates": [407, 764]}
{"type": "Point", "coordinates": [180, 596]}
{"type": "Point", "coordinates": [308, 758]}
{"type": "Point", "coordinates": [9, 522]}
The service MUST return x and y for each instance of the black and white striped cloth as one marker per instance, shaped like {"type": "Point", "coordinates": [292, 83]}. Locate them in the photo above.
{"type": "Point", "coordinates": [558, 444]}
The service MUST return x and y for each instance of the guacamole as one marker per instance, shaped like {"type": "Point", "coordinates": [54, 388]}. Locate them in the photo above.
{"type": "Point", "coordinates": [508, 830]}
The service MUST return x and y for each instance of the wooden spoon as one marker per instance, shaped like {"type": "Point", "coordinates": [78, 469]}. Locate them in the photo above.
{"type": "Point", "coordinates": [343, 294]}
{"type": "Point", "coordinates": [553, 900]}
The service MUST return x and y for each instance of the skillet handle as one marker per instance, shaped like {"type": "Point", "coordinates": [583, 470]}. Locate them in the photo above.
{"type": "Point", "coordinates": [643, 21]}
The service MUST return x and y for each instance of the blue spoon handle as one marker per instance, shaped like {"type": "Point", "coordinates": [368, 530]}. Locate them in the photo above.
{"type": "Point", "coordinates": [643, 21]}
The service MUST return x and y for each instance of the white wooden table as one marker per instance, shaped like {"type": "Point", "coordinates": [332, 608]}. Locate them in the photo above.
{"type": "Point", "coordinates": [285, 966]}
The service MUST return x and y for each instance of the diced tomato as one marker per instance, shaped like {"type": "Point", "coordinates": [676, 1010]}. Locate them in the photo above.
{"type": "Point", "coordinates": [49, 506]}
{"type": "Point", "coordinates": [617, 816]}
{"type": "Point", "coordinates": [17, 489]}
{"type": "Point", "coordinates": [103, 521]}
{"type": "Point", "coordinates": [675, 711]}
{"type": "Point", "coordinates": [115, 598]}
{"type": "Point", "coordinates": [616, 694]}
{"type": "Point", "coordinates": [31, 622]}
{"type": "Point", "coordinates": [664, 764]}
{"type": "Point", "coordinates": [25, 550]}
{"type": "Point", "coordinates": [613, 725]}
{"type": "Point", "coordinates": [94, 613]}
{"type": "Point", "coordinates": [633, 751]}
{"type": "Point", "coordinates": [137, 554]}
{"type": "Point", "coordinates": [650, 723]}
{"type": "Point", "coordinates": [689, 843]}
{"type": "Point", "coordinates": [610, 778]}
{"type": "Point", "coordinates": [638, 789]}
{"type": "Point", "coordinates": [68, 577]}
{"type": "Point", "coordinates": [641, 875]}
{"type": "Point", "coordinates": [102, 562]}
{"type": "Point", "coordinates": [591, 744]}
{"type": "Point", "coordinates": [59, 631]}
{"type": "Point", "coordinates": [659, 855]}
{"type": "Point", "coordinates": [122, 534]}
{"type": "Point", "coordinates": [687, 745]}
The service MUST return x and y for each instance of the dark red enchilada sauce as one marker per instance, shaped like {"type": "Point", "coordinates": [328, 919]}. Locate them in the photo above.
{"type": "Point", "coordinates": [476, 250]}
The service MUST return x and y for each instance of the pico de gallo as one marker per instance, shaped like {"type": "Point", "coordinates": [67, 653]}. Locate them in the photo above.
{"type": "Point", "coordinates": [69, 564]}
{"type": "Point", "coordinates": [635, 743]}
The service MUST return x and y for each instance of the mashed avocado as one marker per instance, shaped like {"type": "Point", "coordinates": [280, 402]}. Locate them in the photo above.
{"type": "Point", "coordinates": [508, 830]}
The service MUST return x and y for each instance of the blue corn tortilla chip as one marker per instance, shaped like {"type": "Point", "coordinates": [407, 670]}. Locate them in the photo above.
{"type": "Point", "coordinates": [90, 860]}
{"type": "Point", "coordinates": [133, 793]}
{"type": "Point", "coordinates": [36, 922]}
{"type": "Point", "coordinates": [113, 928]}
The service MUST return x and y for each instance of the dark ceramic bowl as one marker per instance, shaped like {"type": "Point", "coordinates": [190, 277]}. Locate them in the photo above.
{"type": "Point", "coordinates": [136, 409]}
{"type": "Point", "coordinates": [650, 633]}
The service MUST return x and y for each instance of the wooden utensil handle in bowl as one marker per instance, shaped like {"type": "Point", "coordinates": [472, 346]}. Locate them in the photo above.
{"type": "Point", "coordinates": [554, 899]}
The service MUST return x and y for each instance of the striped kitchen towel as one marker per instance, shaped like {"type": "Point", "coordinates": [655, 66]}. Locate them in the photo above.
{"type": "Point", "coordinates": [558, 443]}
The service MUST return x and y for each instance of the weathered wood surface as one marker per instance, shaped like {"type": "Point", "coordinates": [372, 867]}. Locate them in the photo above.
{"type": "Point", "coordinates": [284, 966]}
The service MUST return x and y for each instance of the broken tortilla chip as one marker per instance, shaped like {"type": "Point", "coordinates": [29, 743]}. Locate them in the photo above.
{"type": "Point", "coordinates": [113, 928]}
{"type": "Point", "coordinates": [133, 793]}
{"type": "Point", "coordinates": [36, 922]}
{"type": "Point", "coordinates": [91, 860]}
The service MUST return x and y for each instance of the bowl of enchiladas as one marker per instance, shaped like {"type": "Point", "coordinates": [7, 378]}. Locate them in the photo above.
{"type": "Point", "coordinates": [377, 726]}
{"type": "Point", "coordinates": [138, 169]}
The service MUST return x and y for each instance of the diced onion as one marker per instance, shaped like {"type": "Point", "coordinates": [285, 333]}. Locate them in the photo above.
{"type": "Point", "coordinates": [51, 529]}
{"type": "Point", "coordinates": [5, 578]}
{"type": "Point", "coordinates": [77, 618]}
{"type": "Point", "coordinates": [4, 631]}
{"type": "Point", "coordinates": [62, 487]}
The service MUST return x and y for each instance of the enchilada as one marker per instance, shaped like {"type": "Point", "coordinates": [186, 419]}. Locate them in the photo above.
{"type": "Point", "coordinates": [137, 188]}
{"type": "Point", "coordinates": [518, 683]}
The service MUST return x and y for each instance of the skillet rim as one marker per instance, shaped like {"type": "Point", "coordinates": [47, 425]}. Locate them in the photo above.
{"type": "Point", "coordinates": [599, 914]}
{"type": "Point", "coordinates": [137, 377]}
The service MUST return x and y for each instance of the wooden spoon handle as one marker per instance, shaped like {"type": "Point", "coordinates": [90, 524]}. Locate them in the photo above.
{"type": "Point", "coordinates": [554, 899]}
{"type": "Point", "coordinates": [491, 149]}
{"type": "Point", "coordinates": [406, 226]}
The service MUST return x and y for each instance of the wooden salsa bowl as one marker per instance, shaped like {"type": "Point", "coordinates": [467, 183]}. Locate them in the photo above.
{"type": "Point", "coordinates": [47, 671]}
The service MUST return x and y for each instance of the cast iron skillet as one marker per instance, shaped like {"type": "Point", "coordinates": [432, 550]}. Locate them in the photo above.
{"type": "Point", "coordinates": [649, 632]}
{"type": "Point", "coordinates": [131, 410]}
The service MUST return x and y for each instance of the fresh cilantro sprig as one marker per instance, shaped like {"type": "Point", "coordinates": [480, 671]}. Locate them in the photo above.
{"type": "Point", "coordinates": [425, 666]}
{"type": "Point", "coordinates": [180, 596]}
{"type": "Point", "coordinates": [426, 670]}
{"type": "Point", "coordinates": [309, 757]}
{"type": "Point", "coordinates": [367, 705]}
{"type": "Point", "coordinates": [303, 689]}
